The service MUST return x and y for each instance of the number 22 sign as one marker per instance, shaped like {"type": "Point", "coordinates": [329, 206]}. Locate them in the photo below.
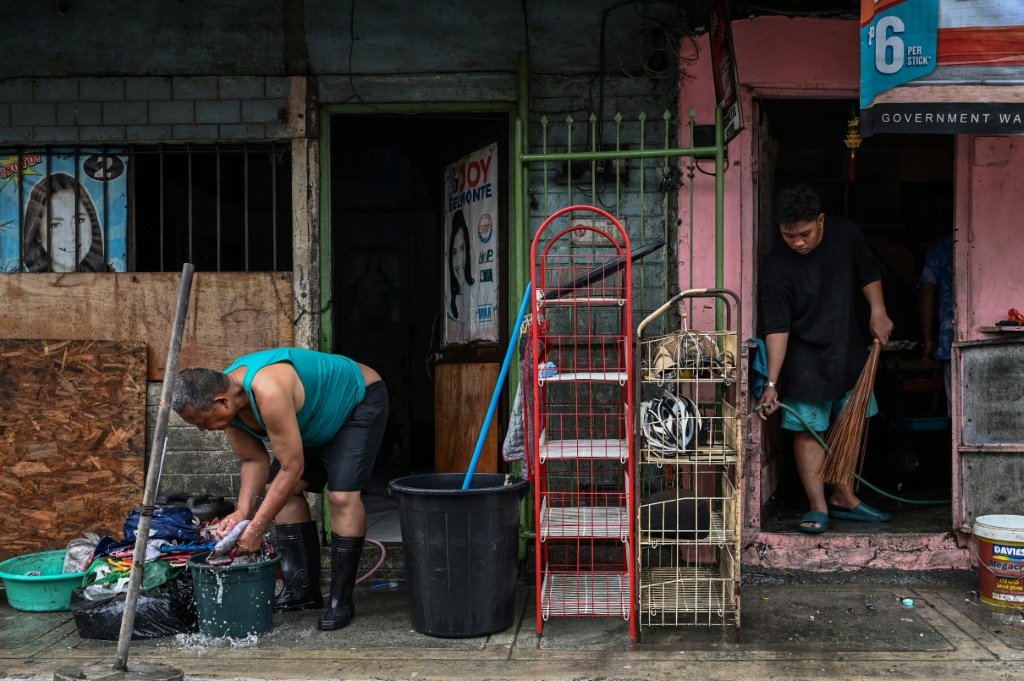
{"type": "Point", "coordinates": [897, 44]}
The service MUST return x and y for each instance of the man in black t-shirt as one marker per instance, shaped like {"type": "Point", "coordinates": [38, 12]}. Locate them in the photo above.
{"type": "Point", "coordinates": [815, 350]}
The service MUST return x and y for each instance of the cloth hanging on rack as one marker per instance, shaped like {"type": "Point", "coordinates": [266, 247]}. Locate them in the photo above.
{"type": "Point", "coordinates": [512, 449]}
{"type": "Point", "coordinates": [759, 368]}
{"type": "Point", "coordinates": [514, 446]}
{"type": "Point", "coordinates": [518, 444]}
{"type": "Point", "coordinates": [524, 399]}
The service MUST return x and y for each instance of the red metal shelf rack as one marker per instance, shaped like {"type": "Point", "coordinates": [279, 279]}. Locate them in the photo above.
{"type": "Point", "coordinates": [582, 410]}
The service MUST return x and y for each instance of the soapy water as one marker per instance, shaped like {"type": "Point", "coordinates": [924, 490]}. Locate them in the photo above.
{"type": "Point", "coordinates": [245, 559]}
{"type": "Point", "coordinates": [218, 577]}
{"type": "Point", "coordinates": [200, 642]}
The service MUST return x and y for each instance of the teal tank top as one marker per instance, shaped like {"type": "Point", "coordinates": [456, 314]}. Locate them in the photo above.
{"type": "Point", "coordinates": [334, 385]}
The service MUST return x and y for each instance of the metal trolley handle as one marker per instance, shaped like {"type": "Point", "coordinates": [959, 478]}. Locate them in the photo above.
{"type": "Point", "coordinates": [723, 293]}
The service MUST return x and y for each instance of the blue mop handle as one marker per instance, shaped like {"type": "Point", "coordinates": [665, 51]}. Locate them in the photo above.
{"type": "Point", "coordinates": [497, 388]}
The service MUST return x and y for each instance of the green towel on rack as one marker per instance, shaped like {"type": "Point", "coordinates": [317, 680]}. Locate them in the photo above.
{"type": "Point", "coordinates": [759, 368]}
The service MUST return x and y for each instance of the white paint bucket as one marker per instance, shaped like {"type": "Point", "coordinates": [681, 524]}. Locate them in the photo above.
{"type": "Point", "coordinates": [1000, 559]}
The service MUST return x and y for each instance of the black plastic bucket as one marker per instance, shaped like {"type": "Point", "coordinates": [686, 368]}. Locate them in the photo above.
{"type": "Point", "coordinates": [461, 551]}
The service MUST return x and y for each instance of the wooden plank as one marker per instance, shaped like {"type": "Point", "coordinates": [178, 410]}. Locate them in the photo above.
{"type": "Point", "coordinates": [72, 438]}
{"type": "Point", "coordinates": [230, 313]}
{"type": "Point", "coordinates": [462, 393]}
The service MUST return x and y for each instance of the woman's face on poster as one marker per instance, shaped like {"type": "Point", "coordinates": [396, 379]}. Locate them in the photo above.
{"type": "Point", "coordinates": [458, 256]}
{"type": "Point", "coordinates": [62, 223]}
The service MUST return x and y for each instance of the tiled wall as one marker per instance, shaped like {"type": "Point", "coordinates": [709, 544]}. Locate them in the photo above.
{"type": "Point", "coordinates": [195, 462]}
{"type": "Point", "coordinates": [145, 109]}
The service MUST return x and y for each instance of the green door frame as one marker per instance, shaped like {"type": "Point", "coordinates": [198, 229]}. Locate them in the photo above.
{"type": "Point", "coordinates": [516, 238]}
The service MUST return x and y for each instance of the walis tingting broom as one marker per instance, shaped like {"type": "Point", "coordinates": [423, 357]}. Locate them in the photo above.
{"type": "Point", "coordinates": [847, 438]}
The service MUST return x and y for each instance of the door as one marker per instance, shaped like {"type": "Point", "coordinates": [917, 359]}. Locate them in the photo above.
{"type": "Point", "coordinates": [387, 251]}
{"type": "Point", "coordinates": [472, 324]}
{"type": "Point", "coordinates": [767, 459]}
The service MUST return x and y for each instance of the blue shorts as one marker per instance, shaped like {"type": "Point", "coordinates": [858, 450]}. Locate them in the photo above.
{"type": "Point", "coordinates": [819, 414]}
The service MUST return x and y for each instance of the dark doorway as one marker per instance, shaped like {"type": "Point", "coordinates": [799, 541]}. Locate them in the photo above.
{"type": "Point", "coordinates": [899, 191]}
{"type": "Point", "coordinates": [387, 194]}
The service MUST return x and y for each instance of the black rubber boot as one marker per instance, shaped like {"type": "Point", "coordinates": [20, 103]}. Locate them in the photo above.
{"type": "Point", "coordinates": [345, 553]}
{"type": "Point", "coordinates": [299, 547]}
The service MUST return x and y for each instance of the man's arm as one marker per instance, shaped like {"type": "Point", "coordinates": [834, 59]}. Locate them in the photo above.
{"type": "Point", "coordinates": [926, 311]}
{"type": "Point", "coordinates": [776, 345]}
{"type": "Point", "coordinates": [880, 325]}
{"type": "Point", "coordinates": [274, 389]}
{"type": "Point", "coordinates": [254, 471]}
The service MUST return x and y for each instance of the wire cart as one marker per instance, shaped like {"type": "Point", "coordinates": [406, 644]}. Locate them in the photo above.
{"type": "Point", "coordinates": [582, 414]}
{"type": "Point", "coordinates": [690, 441]}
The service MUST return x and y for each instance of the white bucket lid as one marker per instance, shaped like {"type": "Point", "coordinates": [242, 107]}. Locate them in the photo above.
{"type": "Point", "coordinates": [1001, 527]}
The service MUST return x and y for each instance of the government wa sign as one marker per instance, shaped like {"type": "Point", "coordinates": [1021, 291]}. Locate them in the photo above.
{"type": "Point", "coordinates": [942, 67]}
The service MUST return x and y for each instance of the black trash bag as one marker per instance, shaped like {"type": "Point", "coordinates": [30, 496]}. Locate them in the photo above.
{"type": "Point", "coordinates": [162, 611]}
{"type": "Point", "coordinates": [674, 515]}
{"type": "Point", "coordinates": [171, 523]}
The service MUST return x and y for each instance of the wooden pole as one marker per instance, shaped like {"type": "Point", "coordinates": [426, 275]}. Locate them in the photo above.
{"type": "Point", "coordinates": [156, 458]}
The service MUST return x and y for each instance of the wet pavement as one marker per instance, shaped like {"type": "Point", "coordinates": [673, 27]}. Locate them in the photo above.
{"type": "Point", "coordinates": [907, 518]}
{"type": "Point", "coordinates": [789, 631]}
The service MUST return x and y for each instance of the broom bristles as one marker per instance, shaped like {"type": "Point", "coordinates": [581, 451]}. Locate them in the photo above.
{"type": "Point", "coordinates": [847, 438]}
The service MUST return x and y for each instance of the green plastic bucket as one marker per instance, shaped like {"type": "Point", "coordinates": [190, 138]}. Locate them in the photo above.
{"type": "Point", "coordinates": [47, 592]}
{"type": "Point", "coordinates": [233, 600]}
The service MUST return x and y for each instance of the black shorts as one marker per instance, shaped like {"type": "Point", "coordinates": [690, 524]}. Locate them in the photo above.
{"type": "Point", "coordinates": [345, 464]}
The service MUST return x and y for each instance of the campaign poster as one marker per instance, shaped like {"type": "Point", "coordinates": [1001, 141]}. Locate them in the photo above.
{"type": "Point", "coordinates": [942, 67]}
{"type": "Point", "coordinates": [723, 69]}
{"type": "Point", "coordinates": [471, 248]}
{"type": "Point", "coordinates": [63, 211]}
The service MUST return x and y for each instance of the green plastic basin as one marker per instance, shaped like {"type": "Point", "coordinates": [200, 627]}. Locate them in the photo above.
{"type": "Point", "coordinates": [47, 592]}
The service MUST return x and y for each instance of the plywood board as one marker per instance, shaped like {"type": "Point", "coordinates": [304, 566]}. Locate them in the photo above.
{"type": "Point", "coordinates": [229, 314]}
{"type": "Point", "coordinates": [72, 440]}
{"type": "Point", "coordinates": [462, 394]}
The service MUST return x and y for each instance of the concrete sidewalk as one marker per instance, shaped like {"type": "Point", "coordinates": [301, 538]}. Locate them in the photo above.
{"type": "Point", "coordinates": [805, 631]}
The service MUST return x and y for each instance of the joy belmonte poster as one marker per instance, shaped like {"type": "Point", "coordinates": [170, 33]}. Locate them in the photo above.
{"type": "Point", "coordinates": [63, 211]}
{"type": "Point", "coordinates": [471, 235]}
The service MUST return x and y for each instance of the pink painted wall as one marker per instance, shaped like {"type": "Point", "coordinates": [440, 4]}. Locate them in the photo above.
{"type": "Point", "coordinates": [825, 553]}
{"type": "Point", "coordinates": [989, 253]}
{"type": "Point", "coordinates": [811, 58]}
{"type": "Point", "coordinates": [776, 57]}
{"type": "Point", "coordinates": [990, 246]}
{"type": "Point", "coordinates": [782, 52]}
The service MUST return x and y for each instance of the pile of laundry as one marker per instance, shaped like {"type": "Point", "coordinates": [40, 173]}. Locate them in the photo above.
{"type": "Point", "coordinates": [166, 602]}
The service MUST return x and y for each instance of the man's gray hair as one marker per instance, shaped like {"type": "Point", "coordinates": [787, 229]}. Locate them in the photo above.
{"type": "Point", "coordinates": [198, 386]}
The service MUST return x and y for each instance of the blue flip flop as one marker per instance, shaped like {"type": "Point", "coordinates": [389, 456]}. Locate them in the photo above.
{"type": "Point", "coordinates": [861, 512]}
{"type": "Point", "coordinates": [813, 517]}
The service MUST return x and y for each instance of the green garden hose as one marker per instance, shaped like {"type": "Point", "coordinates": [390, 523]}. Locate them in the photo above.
{"type": "Point", "coordinates": [930, 502]}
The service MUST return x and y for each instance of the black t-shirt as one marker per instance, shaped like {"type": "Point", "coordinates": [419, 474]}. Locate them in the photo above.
{"type": "Point", "coordinates": [812, 298]}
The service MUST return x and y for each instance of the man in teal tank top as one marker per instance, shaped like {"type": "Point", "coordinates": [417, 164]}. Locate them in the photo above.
{"type": "Point", "coordinates": [324, 416]}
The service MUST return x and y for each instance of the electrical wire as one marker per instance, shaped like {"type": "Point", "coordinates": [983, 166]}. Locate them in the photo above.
{"type": "Point", "coordinates": [696, 164]}
{"type": "Point", "coordinates": [659, 43]}
{"type": "Point", "coordinates": [351, 49]}
{"type": "Point", "coordinates": [839, 13]}
{"type": "Point", "coordinates": [600, 55]}
{"type": "Point", "coordinates": [930, 502]}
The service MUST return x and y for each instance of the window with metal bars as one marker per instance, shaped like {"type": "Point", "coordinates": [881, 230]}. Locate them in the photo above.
{"type": "Point", "coordinates": [222, 208]}
{"type": "Point", "coordinates": [146, 209]}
